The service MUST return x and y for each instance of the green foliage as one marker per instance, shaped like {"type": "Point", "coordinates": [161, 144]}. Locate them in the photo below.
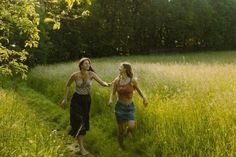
{"type": "Point", "coordinates": [12, 62]}
{"type": "Point", "coordinates": [18, 25]}
{"type": "Point", "coordinates": [70, 29]}
{"type": "Point", "coordinates": [21, 16]}
{"type": "Point", "coordinates": [141, 27]}
{"type": "Point", "coordinates": [21, 29]}
{"type": "Point", "coordinates": [64, 10]}
{"type": "Point", "coordinates": [53, 16]}
{"type": "Point", "coordinates": [23, 131]}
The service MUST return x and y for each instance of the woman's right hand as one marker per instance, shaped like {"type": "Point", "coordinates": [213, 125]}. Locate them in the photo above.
{"type": "Point", "coordinates": [63, 103]}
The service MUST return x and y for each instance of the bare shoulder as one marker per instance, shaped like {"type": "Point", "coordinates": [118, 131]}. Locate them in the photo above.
{"type": "Point", "coordinates": [115, 81]}
{"type": "Point", "coordinates": [134, 80]}
{"type": "Point", "coordinates": [92, 74]}
{"type": "Point", "coordinates": [75, 75]}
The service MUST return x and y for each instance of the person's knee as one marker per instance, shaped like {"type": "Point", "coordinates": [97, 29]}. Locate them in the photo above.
{"type": "Point", "coordinates": [131, 125]}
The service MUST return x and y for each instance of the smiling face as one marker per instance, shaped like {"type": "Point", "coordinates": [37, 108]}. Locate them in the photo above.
{"type": "Point", "coordinates": [85, 65]}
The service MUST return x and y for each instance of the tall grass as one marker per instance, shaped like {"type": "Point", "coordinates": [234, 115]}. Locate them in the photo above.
{"type": "Point", "coordinates": [23, 133]}
{"type": "Point", "coordinates": [194, 113]}
{"type": "Point", "coordinates": [192, 104]}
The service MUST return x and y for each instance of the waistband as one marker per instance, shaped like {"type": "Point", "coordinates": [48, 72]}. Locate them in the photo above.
{"type": "Point", "coordinates": [75, 93]}
{"type": "Point", "coordinates": [123, 103]}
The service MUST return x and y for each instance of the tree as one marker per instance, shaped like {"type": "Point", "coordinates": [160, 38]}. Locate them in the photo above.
{"type": "Point", "coordinates": [18, 29]}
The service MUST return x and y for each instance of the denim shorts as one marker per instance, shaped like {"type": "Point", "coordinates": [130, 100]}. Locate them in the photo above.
{"type": "Point", "coordinates": [124, 112]}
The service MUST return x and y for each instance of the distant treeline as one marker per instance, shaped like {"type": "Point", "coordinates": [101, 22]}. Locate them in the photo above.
{"type": "Point", "coordinates": [123, 27]}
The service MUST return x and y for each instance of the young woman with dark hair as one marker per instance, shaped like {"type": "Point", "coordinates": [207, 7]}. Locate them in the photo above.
{"type": "Point", "coordinates": [81, 100]}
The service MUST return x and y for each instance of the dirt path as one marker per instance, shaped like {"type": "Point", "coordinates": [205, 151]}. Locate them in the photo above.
{"type": "Point", "coordinates": [74, 150]}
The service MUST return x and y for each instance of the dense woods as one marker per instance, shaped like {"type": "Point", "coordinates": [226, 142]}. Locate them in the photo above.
{"type": "Point", "coordinates": [145, 26]}
{"type": "Point", "coordinates": [60, 30]}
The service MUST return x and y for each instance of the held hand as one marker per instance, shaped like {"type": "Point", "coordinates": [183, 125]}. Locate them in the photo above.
{"type": "Point", "coordinates": [109, 103]}
{"type": "Point", "coordinates": [109, 84]}
{"type": "Point", "coordinates": [63, 103]}
{"type": "Point", "coordinates": [145, 102]}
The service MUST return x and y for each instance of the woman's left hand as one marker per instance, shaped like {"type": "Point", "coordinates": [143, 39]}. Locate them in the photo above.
{"type": "Point", "coordinates": [63, 103]}
{"type": "Point", "coordinates": [145, 102]}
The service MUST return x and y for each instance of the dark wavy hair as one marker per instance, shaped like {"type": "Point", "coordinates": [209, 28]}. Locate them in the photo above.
{"type": "Point", "coordinates": [128, 68]}
{"type": "Point", "coordinates": [81, 61]}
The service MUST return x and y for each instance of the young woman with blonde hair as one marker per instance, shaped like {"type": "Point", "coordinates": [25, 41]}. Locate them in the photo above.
{"type": "Point", "coordinates": [124, 86]}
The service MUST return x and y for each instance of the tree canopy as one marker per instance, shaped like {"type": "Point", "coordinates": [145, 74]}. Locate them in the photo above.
{"type": "Point", "coordinates": [146, 26]}
{"type": "Point", "coordinates": [20, 30]}
{"type": "Point", "coordinates": [48, 31]}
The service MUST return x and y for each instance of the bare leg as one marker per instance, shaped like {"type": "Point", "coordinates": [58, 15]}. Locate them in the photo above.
{"type": "Point", "coordinates": [121, 129]}
{"type": "Point", "coordinates": [83, 151]}
{"type": "Point", "coordinates": [131, 125]}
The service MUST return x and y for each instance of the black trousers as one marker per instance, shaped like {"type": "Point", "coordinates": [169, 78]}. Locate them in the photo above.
{"type": "Point", "coordinates": [79, 114]}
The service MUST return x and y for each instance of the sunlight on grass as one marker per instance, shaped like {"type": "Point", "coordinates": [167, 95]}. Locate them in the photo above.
{"type": "Point", "coordinates": [22, 133]}
{"type": "Point", "coordinates": [192, 104]}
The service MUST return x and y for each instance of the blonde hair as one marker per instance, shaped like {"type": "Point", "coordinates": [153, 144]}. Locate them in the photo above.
{"type": "Point", "coordinates": [128, 68]}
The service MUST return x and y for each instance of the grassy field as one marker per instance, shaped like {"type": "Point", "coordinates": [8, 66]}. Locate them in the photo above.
{"type": "Point", "coordinates": [191, 112]}
{"type": "Point", "coordinates": [23, 132]}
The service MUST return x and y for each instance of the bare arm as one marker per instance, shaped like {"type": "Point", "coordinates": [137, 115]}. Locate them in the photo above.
{"type": "Point", "coordinates": [66, 89]}
{"type": "Point", "coordinates": [99, 80]}
{"type": "Point", "coordinates": [113, 93]}
{"type": "Point", "coordinates": [140, 92]}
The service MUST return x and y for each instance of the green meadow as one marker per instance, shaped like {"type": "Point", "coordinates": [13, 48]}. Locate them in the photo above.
{"type": "Point", "coordinates": [191, 112]}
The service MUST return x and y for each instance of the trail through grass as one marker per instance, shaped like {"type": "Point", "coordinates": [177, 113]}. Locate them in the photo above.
{"type": "Point", "coordinates": [28, 125]}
